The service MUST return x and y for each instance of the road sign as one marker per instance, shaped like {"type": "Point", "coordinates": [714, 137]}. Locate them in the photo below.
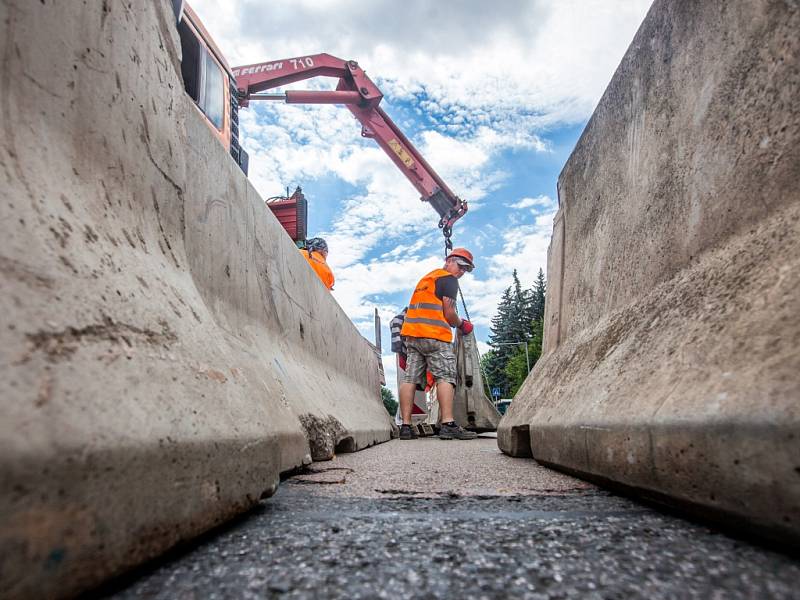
{"type": "Point", "coordinates": [496, 392]}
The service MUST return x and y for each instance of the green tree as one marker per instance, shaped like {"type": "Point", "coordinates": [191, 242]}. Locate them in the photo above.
{"type": "Point", "coordinates": [388, 400]}
{"type": "Point", "coordinates": [519, 320]}
{"type": "Point", "coordinates": [537, 297]}
{"type": "Point", "coordinates": [488, 361]}
{"type": "Point", "coordinates": [511, 325]}
{"type": "Point", "coordinates": [500, 332]}
{"type": "Point", "coordinates": [517, 366]}
{"type": "Point", "coordinates": [520, 311]}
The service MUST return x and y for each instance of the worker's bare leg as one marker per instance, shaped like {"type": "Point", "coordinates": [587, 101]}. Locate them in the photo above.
{"type": "Point", "coordinates": [406, 393]}
{"type": "Point", "coordinates": [444, 394]}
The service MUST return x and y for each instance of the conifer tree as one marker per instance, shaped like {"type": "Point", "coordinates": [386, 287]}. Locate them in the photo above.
{"type": "Point", "coordinates": [502, 321]}
{"type": "Point", "coordinates": [519, 319]}
{"type": "Point", "coordinates": [538, 296]}
{"type": "Point", "coordinates": [499, 333]}
{"type": "Point", "coordinates": [521, 315]}
{"type": "Point", "coordinates": [517, 365]}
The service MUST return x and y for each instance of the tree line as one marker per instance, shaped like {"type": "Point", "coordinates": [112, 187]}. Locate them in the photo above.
{"type": "Point", "coordinates": [518, 323]}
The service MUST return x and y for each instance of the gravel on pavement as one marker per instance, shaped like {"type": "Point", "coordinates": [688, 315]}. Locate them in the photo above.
{"type": "Point", "coordinates": [434, 519]}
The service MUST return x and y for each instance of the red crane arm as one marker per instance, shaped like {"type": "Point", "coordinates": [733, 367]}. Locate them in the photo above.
{"type": "Point", "coordinates": [252, 79]}
{"type": "Point", "coordinates": [362, 97]}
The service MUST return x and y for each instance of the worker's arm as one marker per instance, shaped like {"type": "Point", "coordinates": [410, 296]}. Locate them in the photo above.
{"type": "Point", "coordinates": [450, 314]}
{"type": "Point", "coordinates": [447, 290]}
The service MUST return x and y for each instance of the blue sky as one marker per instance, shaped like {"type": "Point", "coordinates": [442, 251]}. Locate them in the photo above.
{"type": "Point", "coordinates": [494, 95]}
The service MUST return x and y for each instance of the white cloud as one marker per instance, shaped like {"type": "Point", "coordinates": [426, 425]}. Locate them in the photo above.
{"type": "Point", "coordinates": [543, 201]}
{"type": "Point", "coordinates": [359, 285]}
{"type": "Point", "coordinates": [356, 283]}
{"type": "Point", "coordinates": [525, 248]}
{"type": "Point", "coordinates": [512, 65]}
{"type": "Point", "coordinates": [319, 141]}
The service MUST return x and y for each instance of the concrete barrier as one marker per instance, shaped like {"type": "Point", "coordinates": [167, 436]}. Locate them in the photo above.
{"type": "Point", "coordinates": [166, 353]}
{"type": "Point", "coordinates": [672, 341]}
{"type": "Point", "coordinates": [472, 408]}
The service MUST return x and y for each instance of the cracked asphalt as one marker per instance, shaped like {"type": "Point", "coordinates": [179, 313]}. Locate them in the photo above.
{"type": "Point", "coordinates": [433, 519]}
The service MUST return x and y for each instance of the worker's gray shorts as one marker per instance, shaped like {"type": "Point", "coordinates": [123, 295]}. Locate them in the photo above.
{"type": "Point", "coordinates": [431, 355]}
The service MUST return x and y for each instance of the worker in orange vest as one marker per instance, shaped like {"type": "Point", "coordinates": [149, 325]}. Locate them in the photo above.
{"type": "Point", "coordinates": [316, 253]}
{"type": "Point", "coordinates": [428, 338]}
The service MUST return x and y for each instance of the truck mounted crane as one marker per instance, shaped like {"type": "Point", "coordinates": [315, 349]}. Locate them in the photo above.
{"type": "Point", "coordinates": [218, 91]}
{"type": "Point", "coordinates": [362, 97]}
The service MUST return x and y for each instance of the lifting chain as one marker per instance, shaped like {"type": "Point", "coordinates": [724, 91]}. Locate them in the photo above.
{"type": "Point", "coordinates": [447, 231]}
{"type": "Point", "coordinates": [448, 246]}
{"type": "Point", "coordinates": [464, 304]}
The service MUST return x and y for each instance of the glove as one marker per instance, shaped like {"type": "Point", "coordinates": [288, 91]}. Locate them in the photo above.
{"type": "Point", "coordinates": [466, 327]}
{"type": "Point", "coordinates": [402, 360]}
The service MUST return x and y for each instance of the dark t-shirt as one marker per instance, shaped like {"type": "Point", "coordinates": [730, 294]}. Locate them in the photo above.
{"type": "Point", "coordinates": [447, 287]}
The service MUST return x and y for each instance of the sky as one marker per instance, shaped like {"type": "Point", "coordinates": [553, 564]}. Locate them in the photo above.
{"type": "Point", "coordinates": [493, 94]}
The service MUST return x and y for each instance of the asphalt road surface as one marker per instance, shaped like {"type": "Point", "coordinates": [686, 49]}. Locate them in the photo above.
{"type": "Point", "coordinates": [435, 519]}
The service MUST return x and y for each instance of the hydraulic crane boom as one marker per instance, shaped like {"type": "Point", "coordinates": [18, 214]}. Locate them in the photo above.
{"type": "Point", "coordinates": [362, 97]}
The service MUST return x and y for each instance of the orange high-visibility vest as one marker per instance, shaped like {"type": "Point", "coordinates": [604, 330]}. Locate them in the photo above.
{"type": "Point", "coordinates": [323, 271]}
{"type": "Point", "coordinates": [425, 316]}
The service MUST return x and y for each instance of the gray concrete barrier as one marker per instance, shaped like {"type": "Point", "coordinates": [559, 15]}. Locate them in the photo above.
{"type": "Point", "coordinates": [166, 353]}
{"type": "Point", "coordinates": [672, 338]}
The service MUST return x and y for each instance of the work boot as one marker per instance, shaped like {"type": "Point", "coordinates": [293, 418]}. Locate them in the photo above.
{"type": "Point", "coordinates": [408, 432]}
{"type": "Point", "coordinates": [451, 431]}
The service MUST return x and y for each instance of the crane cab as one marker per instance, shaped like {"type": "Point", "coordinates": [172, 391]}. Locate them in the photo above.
{"type": "Point", "coordinates": [208, 80]}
